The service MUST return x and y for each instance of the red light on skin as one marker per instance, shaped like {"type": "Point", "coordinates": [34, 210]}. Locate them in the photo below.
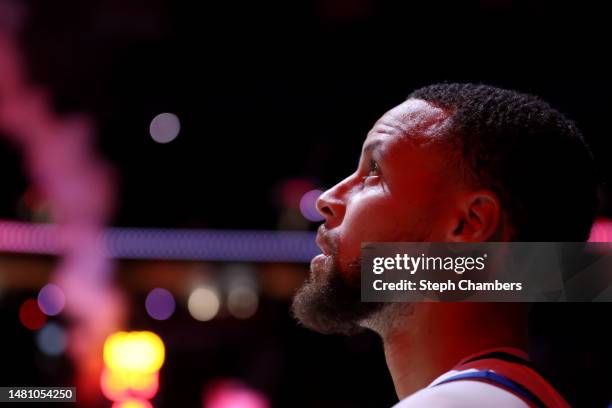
{"type": "Point", "coordinates": [31, 316]}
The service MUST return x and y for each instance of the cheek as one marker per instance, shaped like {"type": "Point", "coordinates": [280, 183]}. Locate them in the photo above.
{"type": "Point", "coordinates": [383, 218]}
{"type": "Point", "coordinates": [369, 218]}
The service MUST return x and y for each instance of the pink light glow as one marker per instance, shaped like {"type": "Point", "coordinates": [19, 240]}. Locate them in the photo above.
{"type": "Point", "coordinates": [233, 394]}
{"type": "Point", "coordinates": [601, 231]}
{"type": "Point", "coordinates": [63, 166]}
{"type": "Point", "coordinates": [308, 206]}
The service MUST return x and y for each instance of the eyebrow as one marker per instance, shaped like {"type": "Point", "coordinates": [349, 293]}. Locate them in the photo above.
{"type": "Point", "coordinates": [371, 146]}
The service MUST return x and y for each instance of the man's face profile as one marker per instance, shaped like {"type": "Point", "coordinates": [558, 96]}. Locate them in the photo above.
{"type": "Point", "coordinates": [400, 191]}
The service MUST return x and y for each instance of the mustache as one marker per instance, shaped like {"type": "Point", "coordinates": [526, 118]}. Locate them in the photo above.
{"type": "Point", "coordinates": [327, 239]}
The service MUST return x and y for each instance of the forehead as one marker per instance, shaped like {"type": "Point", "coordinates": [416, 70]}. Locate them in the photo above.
{"type": "Point", "coordinates": [405, 139]}
{"type": "Point", "coordinates": [413, 120]}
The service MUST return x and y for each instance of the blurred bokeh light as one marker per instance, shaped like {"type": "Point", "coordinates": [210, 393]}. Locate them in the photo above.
{"type": "Point", "coordinates": [51, 299]}
{"type": "Point", "coordinates": [242, 302]}
{"type": "Point", "coordinates": [141, 352]}
{"type": "Point", "coordinates": [160, 304]}
{"type": "Point", "coordinates": [133, 403]}
{"type": "Point", "coordinates": [51, 339]}
{"type": "Point", "coordinates": [123, 385]}
{"type": "Point", "coordinates": [165, 127]}
{"type": "Point", "coordinates": [204, 303]}
{"type": "Point", "coordinates": [31, 316]}
{"type": "Point", "coordinates": [233, 394]}
{"type": "Point", "coordinates": [308, 206]}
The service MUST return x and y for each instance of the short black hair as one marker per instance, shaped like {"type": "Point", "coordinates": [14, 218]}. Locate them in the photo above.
{"type": "Point", "coordinates": [532, 156]}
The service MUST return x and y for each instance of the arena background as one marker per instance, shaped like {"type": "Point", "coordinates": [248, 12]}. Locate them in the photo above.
{"type": "Point", "coordinates": [274, 100]}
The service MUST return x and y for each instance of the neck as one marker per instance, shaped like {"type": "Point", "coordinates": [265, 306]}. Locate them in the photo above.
{"type": "Point", "coordinates": [428, 339]}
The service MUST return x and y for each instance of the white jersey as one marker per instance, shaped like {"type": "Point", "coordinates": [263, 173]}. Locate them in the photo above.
{"type": "Point", "coordinates": [461, 394]}
{"type": "Point", "coordinates": [499, 378]}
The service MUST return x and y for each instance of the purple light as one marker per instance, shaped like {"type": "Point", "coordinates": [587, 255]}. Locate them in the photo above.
{"type": "Point", "coordinates": [213, 245]}
{"type": "Point", "coordinates": [51, 299]}
{"type": "Point", "coordinates": [160, 304]}
{"type": "Point", "coordinates": [165, 127]}
{"type": "Point", "coordinates": [176, 244]}
{"type": "Point", "coordinates": [308, 206]}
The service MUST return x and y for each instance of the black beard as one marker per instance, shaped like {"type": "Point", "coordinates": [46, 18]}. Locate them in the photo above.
{"type": "Point", "coordinates": [332, 304]}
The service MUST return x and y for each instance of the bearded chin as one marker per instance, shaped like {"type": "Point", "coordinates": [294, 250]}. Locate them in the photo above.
{"type": "Point", "coordinates": [330, 302]}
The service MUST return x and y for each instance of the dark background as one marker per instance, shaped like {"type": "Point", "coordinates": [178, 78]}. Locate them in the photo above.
{"type": "Point", "coordinates": [276, 90]}
{"type": "Point", "coordinates": [268, 92]}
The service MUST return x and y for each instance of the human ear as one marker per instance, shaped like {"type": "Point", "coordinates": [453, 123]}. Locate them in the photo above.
{"type": "Point", "coordinates": [476, 219]}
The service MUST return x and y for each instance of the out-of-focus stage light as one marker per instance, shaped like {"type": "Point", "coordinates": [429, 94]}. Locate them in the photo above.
{"type": "Point", "coordinates": [203, 303]}
{"type": "Point", "coordinates": [233, 394]}
{"type": "Point", "coordinates": [31, 316]}
{"type": "Point", "coordinates": [134, 352]}
{"type": "Point", "coordinates": [601, 231]}
{"type": "Point", "coordinates": [242, 301]}
{"type": "Point", "coordinates": [51, 299]}
{"type": "Point", "coordinates": [51, 339]}
{"type": "Point", "coordinates": [120, 386]}
{"type": "Point", "coordinates": [133, 403]}
{"type": "Point", "coordinates": [187, 244]}
{"type": "Point", "coordinates": [308, 206]}
{"type": "Point", "coordinates": [160, 304]}
{"type": "Point", "coordinates": [132, 361]}
{"type": "Point", "coordinates": [165, 127]}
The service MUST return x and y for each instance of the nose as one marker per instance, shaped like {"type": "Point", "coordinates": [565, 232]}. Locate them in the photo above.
{"type": "Point", "coordinates": [331, 204]}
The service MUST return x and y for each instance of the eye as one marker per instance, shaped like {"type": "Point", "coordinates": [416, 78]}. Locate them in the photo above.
{"type": "Point", "coordinates": [374, 170]}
